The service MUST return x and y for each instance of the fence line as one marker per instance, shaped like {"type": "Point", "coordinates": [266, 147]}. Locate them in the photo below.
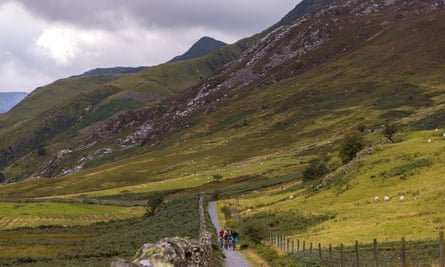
{"type": "Point", "coordinates": [389, 253]}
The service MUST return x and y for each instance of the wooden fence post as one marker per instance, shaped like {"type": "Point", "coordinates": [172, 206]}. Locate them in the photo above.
{"type": "Point", "coordinates": [330, 251]}
{"type": "Point", "coordinates": [403, 252]}
{"type": "Point", "coordinates": [319, 251]}
{"type": "Point", "coordinates": [442, 252]}
{"type": "Point", "coordinates": [298, 245]}
{"type": "Point", "coordinates": [287, 246]}
{"type": "Point", "coordinates": [342, 256]}
{"type": "Point", "coordinates": [376, 261]}
{"type": "Point", "coordinates": [310, 249]}
{"type": "Point", "coordinates": [293, 246]}
{"type": "Point", "coordinates": [304, 248]}
{"type": "Point", "coordinates": [357, 257]}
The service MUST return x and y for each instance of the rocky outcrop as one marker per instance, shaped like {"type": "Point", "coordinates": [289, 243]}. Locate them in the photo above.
{"type": "Point", "coordinates": [176, 251]}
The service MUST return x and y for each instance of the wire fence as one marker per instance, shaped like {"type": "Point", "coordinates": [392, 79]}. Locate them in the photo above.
{"type": "Point", "coordinates": [377, 254]}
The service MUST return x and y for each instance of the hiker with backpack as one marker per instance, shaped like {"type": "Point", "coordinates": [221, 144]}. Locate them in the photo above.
{"type": "Point", "coordinates": [234, 239]}
{"type": "Point", "coordinates": [221, 238]}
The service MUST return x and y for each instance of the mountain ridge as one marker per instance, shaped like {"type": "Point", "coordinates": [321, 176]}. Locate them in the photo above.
{"type": "Point", "coordinates": [204, 46]}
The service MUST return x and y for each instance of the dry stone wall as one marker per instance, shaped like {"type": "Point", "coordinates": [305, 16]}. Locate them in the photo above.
{"type": "Point", "coordinates": [175, 251]}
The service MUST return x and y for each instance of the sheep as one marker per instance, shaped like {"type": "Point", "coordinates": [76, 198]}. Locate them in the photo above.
{"type": "Point", "coordinates": [291, 197]}
{"type": "Point", "coordinates": [386, 198]}
{"type": "Point", "coordinates": [402, 198]}
{"type": "Point", "coordinates": [429, 141]}
{"type": "Point", "coordinates": [376, 199]}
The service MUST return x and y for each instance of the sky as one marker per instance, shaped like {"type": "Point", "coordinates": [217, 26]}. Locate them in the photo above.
{"type": "Point", "coordinates": [45, 40]}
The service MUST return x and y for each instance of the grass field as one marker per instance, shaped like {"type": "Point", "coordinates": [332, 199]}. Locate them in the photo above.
{"type": "Point", "coordinates": [19, 215]}
{"type": "Point", "coordinates": [92, 244]}
{"type": "Point", "coordinates": [412, 168]}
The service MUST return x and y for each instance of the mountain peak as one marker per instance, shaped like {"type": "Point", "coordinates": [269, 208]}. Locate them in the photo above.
{"type": "Point", "coordinates": [202, 47]}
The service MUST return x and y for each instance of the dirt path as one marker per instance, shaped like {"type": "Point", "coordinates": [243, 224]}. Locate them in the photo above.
{"type": "Point", "coordinates": [233, 258]}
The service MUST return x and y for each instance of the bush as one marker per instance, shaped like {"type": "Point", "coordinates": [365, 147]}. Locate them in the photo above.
{"type": "Point", "coordinates": [267, 253]}
{"type": "Point", "coordinates": [154, 201]}
{"type": "Point", "coordinates": [316, 169]}
{"type": "Point", "coordinates": [254, 231]}
{"type": "Point", "coordinates": [389, 130]}
{"type": "Point", "coordinates": [350, 145]}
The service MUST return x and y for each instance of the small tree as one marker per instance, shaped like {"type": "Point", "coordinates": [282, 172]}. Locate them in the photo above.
{"type": "Point", "coordinates": [316, 169]}
{"type": "Point", "coordinates": [389, 130]}
{"type": "Point", "coordinates": [350, 145]}
{"type": "Point", "coordinates": [2, 177]}
{"type": "Point", "coordinates": [154, 201]}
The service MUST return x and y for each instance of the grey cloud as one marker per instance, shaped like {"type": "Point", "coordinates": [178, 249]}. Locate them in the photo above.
{"type": "Point", "coordinates": [230, 15]}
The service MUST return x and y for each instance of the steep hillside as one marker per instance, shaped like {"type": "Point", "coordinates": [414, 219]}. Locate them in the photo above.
{"type": "Point", "coordinates": [52, 115]}
{"type": "Point", "coordinates": [293, 93]}
{"type": "Point", "coordinates": [80, 104]}
{"type": "Point", "coordinates": [202, 47]}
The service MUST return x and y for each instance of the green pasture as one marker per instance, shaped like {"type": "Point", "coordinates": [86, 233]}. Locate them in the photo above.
{"type": "Point", "coordinates": [412, 168]}
{"type": "Point", "coordinates": [93, 244]}
{"type": "Point", "coordinates": [19, 215]}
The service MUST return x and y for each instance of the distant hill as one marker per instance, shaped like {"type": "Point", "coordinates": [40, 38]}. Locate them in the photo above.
{"type": "Point", "coordinates": [202, 47]}
{"type": "Point", "coordinates": [114, 70]}
{"type": "Point", "coordinates": [10, 99]}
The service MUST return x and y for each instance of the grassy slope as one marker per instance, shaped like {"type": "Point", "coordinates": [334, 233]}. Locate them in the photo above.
{"type": "Point", "coordinates": [52, 115]}
{"type": "Point", "coordinates": [289, 116]}
{"type": "Point", "coordinates": [411, 168]}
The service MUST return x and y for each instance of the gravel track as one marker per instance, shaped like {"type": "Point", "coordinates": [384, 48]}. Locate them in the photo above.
{"type": "Point", "coordinates": [233, 258]}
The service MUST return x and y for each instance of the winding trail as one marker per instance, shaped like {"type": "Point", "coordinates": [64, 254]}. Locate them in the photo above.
{"type": "Point", "coordinates": [233, 258]}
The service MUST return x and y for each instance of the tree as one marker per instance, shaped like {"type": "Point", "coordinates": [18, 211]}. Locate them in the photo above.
{"type": "Point", "coordinates": [154, 202]}
{"type": "Point", "coordinates": [316, 169]}
{"type": "Point", "coordinates": [389, 130]}
{"type": "Point", "coordinates": [350, 145]}
{"type": "Point", "coordinates": [2, 177]}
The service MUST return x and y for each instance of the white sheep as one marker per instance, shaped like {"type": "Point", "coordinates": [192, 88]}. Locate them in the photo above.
{"type": "Point", "coordinates": [402, 198]}
{"type": "Point", "coordinates": [376, 199]}
{"type": "Point", "coordinates": [386, 198]}
{"type": "Point", "coordinates": [291, 197]}
{"type": "Point", "coordinates": [429, 141]}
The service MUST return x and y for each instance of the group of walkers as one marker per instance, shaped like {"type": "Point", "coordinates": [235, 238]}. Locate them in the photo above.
{"type": "Point", "coordinates": [228, 238]}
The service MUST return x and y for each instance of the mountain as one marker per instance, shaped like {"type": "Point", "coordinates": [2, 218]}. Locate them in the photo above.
{"type": "Point", "coordinates": [10, 99]}
{"type": "Point", "coordinates": [114, 70]}
{"type": "Point", "coordinates": [302, 9]}
{"type": "Point", "coordinates": [202, 47]}
{"type": "Point", "coordinates": [332, 65]}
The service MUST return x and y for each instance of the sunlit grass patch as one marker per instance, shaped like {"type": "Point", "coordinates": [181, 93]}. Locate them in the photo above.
{"type": "Point", "coordinates": [17, 215]}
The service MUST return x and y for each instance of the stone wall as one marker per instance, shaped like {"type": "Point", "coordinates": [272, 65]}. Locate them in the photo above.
{"type": "Point", "coordinates": [175, 251]}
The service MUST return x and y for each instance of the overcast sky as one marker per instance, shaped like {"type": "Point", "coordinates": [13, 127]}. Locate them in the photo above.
{"type": "Point", "coordinates": [45, 40]}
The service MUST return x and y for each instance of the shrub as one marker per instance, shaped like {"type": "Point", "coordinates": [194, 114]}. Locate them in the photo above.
{"type": "Point", "coordinates": [350, 145]}
{"type": "Point", "coordinates": [254, 231]}
{"type": "Point", "coordinates": [154, 201]}
{"type": "Point", "coordinates": [316, 169]}
{"type": "Point", "coordinates": [389, 130]}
